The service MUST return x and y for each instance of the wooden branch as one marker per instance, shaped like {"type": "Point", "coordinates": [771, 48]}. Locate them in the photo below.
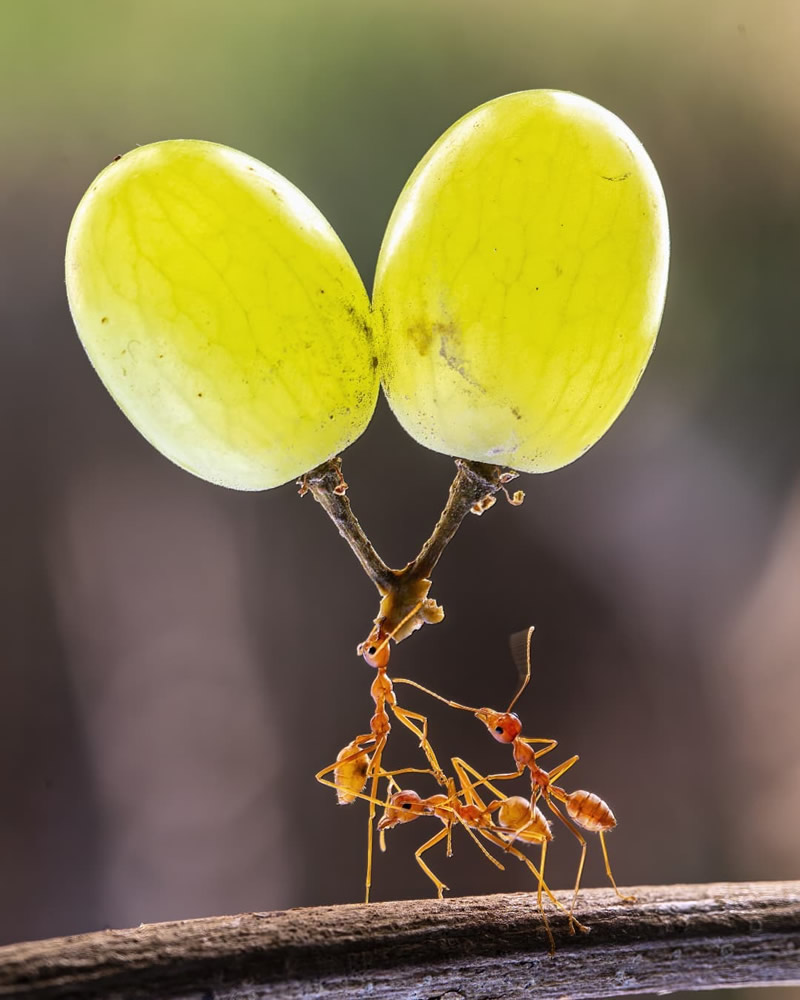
{"type": "Point", "coordinates": [684, 937]}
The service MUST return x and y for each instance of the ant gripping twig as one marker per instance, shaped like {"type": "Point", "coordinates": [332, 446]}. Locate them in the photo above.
{"type": "Point", "coordinates": [361, 758]}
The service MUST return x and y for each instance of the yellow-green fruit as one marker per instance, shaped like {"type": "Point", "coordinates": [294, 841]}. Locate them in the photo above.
{"type": "Point", "coordinates": [521, 281]}
{"type": "Point", "coordinates": [222, 313]}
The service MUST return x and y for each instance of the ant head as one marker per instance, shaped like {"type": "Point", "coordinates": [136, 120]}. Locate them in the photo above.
{"type": "Point", "coordinates": [402, 808]}
{"type": "Point", "coordinates": [375, 648]}
{"type": "Point", "coordinates": [504, 726]}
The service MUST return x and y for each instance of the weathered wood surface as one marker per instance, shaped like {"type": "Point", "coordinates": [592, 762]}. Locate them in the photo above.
{"type": "Point", "coordinates": [684, 937]}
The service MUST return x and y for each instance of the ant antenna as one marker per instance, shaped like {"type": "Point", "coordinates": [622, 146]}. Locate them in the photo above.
{"type": "Point", "coordinates": [433, 694]}
{"type": "Point", "coordinates": [516, 641]}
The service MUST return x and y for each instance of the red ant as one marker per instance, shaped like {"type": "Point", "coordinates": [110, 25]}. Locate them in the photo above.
{"type": "Point", "coordinates": [584, 808]}
{"type": "Point", "coordinates": [516, 819]}
{"type": "Point", "coordinates": [361, 758]}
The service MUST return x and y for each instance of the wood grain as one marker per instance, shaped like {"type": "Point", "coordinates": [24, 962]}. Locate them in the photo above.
{"type": "Point", "coordinates": [682, 937]}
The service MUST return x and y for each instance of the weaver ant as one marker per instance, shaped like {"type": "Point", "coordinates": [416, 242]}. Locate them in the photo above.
{"type": "Point", "coordinates": [516, 819]}
{"type": "Point", "coordinates": [361, 758]}
{"type": "Point", "coordinates": [583, 808]}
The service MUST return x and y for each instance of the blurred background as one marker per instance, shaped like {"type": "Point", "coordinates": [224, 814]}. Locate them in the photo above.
{"type": "Point", "coordinates": [178, 660]}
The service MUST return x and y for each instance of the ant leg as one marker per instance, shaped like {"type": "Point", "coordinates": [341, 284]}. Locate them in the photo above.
{"type": "Point", "coordinates": [538, 874]}
{"type": "Point", "coordinates": [468, 787]}
{"type": "Point", "coordinates": [383, 803]}
{"type": "Point", "coordinates": [491, 857]}
{"type": "Point", "coordinates": [539, 899]}
{"type": "Point", "coordinates": [433, 694]}
{"type": "Point", "coordinates": [393, 786]}
{"type": "Point", "coordinates": [625, 899]}
{"type": "Point", "coordinates": [494, 838]}
{"type": "Point", "coordinates": [541, 874]}
{"type": "Point", "coordinates": [375, 770]}
{"type": "Point", "coordinates": [440, 886]}
{"type": "Point", "coordinates": [508, 776]}
{"type": "Point", "coordinates": [357, 751]}
{"type": "Point", "coordinates": [556, 773]}
{"type": "Point", "coordinates": [573, 921]}
{"type": "Point", "coordinates": [405, 717]}
{"type": "Point", "coordinates": [577, 887]}
{"type": "Point", "coordinates": [471, 797]}
{"type": "Point", "coordinates": [549, 745]}
{"type": "Point", "coordinates": [452, 796]}
{"type": "Point", "coordinates": [463, 771]}
{"type": "Point", "coordinates": [407, 770]}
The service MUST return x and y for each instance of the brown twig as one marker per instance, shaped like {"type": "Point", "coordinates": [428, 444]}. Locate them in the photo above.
{"type": "Point", "coordinates": [326, 484]}
{"type": "Point", "coordinates": [472, 491]}
{"type": "Point", "coordinates": [683, 937]}
{"type": "Point", "coordinates": [405, 605]}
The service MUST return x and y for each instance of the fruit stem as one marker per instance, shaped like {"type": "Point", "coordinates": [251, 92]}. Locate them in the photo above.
{"type": "Point", "coordinates": [472, 491]}
{"type": "Point", "coordinates": [327, 486]}
{"type": "Point", "coordinates": [405, 605]}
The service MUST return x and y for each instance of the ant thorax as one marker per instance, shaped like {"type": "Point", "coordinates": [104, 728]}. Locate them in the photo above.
{"type": "Point", "coordinates": [381, 688]}
{"type": "Point", "coordinates": [525, 756]}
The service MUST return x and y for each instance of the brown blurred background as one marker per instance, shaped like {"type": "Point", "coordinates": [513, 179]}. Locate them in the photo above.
{"type": "Point", "coordinates": [177, 660]}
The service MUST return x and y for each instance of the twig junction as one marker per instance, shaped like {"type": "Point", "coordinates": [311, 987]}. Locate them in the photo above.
{"type": "Point", "coordinates": [405, 605]}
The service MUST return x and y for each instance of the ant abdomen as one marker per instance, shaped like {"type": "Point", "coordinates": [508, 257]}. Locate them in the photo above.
{"type": "Point", "coordinates": [528, 823]}
{"type": "Point", "coordinates": [590, 811]}
{"type": "Point", "coordinates": [350, 775]}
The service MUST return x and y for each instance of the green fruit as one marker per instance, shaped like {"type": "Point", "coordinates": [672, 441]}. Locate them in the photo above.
{"type": "Point", "coordinates": [521, 281]}
{"type": "Point", "coordinates": [222, 313]}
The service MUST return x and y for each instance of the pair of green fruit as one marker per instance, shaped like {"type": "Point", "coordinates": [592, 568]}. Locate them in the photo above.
{"type": "Point", "coordinates": [517, 297]}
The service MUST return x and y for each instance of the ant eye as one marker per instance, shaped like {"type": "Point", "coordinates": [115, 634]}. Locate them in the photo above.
{"type": "Point", "coordinates": [499, 729]}
{"type": "Point", "coordinates": [372, 650]}
{"type": "Point", "coordinates": [406, 805]}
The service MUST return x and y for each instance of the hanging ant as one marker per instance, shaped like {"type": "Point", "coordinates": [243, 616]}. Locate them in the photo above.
{"type": "Point", "coordinates": [583, 808]}
{"type": "Point", "coordinates": [361, 758]}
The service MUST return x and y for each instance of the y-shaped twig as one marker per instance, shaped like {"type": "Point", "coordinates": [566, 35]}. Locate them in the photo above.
{"type": "Point", "coordinates": [472, 491]}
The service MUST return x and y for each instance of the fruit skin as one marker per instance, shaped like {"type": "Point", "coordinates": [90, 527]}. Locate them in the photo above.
{"type": "Point", "coordinates": [222, 313]}
{"type": "Point", "coordinates": [521, 281]}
